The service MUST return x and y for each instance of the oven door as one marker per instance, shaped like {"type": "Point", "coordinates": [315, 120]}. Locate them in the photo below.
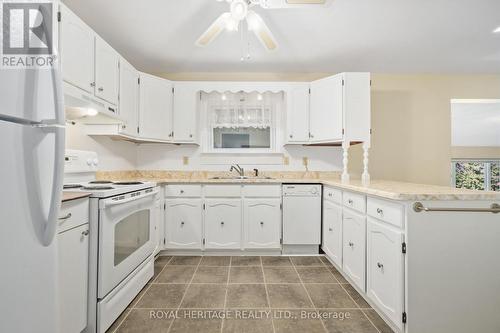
{"type": "Point", "coordinates": [126, 236]}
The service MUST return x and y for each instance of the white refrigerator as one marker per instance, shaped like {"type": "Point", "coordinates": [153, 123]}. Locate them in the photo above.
{"type": "Point", "coordinates": [31, 175]}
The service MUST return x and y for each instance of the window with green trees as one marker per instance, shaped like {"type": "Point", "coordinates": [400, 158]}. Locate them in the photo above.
{"type": "Point", "coordinates": [476, 175]}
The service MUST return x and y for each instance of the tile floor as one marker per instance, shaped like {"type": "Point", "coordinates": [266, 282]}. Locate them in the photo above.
{"type": "Point", "coordinates": [248, 294]}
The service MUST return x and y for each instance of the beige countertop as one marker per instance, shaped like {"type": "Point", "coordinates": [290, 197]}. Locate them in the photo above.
{"type": "Point", "coordinates": [68, 196]}
{"type": "Point", "coordinates": [381, 188]}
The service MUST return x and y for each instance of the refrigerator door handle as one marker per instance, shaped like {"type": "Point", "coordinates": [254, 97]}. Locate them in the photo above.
{"type": "Point", "coordinates": [56, 126]}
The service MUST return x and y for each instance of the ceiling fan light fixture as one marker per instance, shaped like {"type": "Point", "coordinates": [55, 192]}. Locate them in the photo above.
{"type": "Point", "coordinates": [239, 9]}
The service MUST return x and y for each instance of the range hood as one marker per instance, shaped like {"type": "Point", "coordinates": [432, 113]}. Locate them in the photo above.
{"type": "Point", "coordinates": [85, 108]}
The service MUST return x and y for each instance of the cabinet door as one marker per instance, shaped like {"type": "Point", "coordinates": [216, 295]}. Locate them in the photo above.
{"type": "Point", "coordinates": [73, 248]}
{"type": "Point", "coordinates": [298, 114]}
{"type": "Point", "coordinates": [183, 224]}
{"type": "Point", "coordinates": [327, 109]}
{"type": "Point", "coordinates": [186, 99]}
{"type": "Point", "coordinates": [77, 51]}
{"type": "Point", "coordinates": [332, 231]}
{"type": "Point", "coordinates": [385, 269]}
{"type": "Point", "coordinates": [129, 98]}
{"type": "Point", "coordinates": [262, 223]}
{"type": "Point", "coordinates": [354, 238]}
{"type": "Point", "coordinates": [155, 113]}
{"type": "Point", "coordinates": [106, 71]}
{"type": "Point", "coordinates": [223, 223]}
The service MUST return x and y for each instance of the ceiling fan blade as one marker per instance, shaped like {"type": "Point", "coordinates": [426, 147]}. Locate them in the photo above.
{"type": "Point", "coordinates": [261, 30]}
{"type": "Point", "coordinates": [271, 4]}
{"type": "Point", "coordinates": [213, 30]}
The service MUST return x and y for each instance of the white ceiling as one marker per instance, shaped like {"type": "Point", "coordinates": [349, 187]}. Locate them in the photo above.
{"type": "Point", "coordinates": [396, 36]}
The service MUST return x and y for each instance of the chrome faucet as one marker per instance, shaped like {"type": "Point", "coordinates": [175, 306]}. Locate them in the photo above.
{"type": "Point", "coordinates": [238, 169]}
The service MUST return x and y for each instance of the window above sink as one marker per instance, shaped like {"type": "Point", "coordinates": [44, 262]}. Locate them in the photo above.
{"type": "Point", "coordinates": [241, 122]}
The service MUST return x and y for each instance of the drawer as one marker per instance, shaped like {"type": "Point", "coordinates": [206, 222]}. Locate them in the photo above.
{"type": "Point", "coordinates": [332, 195]}
{"type": "Point", "coordinates": [73, 214]}
{"type": "Point", "coordinates": [183, 191]}
{"type": "Point", "coordinates": [354, 201]}
{"type": "Point", "coordinates": [386, 211]}
{"type": "Point", "coordinates": [223, 191]}
{"type": "Point", "coordinates": [258, 191]}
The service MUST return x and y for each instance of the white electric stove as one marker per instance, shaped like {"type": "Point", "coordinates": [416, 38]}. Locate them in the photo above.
{"type": "Point", "coordinates": [123, 219]}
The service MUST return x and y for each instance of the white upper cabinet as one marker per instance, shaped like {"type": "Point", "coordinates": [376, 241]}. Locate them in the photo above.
{"type": "Point", "coordinates": [77, 51]}
{"type": "Point", "coordinates": [326, 113]}
{"type": "Point", "coordinates": [106, 71]}
{"type": "Point", "coordinates": [185, 127]}
{"type": "Point", "coordinates": [298, 114]}
{"type": "Point", "coordinates": [129, 98]}
{"type": "Point", "coordinates": [155, 113]}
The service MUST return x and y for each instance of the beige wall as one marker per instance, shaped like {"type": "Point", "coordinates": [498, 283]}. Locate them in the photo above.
{"type": "Point", "coordinates": [410, 120]}
{"type": "Point", "coordinates": [412, 126]}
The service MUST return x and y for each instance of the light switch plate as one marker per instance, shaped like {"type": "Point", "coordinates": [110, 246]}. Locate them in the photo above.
{"type": "Point", "coordinates": [185, 160]}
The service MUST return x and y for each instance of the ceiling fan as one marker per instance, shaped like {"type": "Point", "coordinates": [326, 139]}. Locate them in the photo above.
{"type": "Point", "coordinates": [240, 10]}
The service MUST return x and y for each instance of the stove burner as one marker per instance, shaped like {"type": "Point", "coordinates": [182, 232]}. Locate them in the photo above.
{"type": "Point", "coordinates": [101, 182]}
{"type": "Point", "coordinates": [71, 186]}
{"type": "Point", "coordinates": [97, 188]}
{"type": "Point", "coordinates": [128, 183]}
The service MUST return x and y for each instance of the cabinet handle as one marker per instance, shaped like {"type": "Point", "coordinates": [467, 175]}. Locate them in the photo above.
{"type": "Point", "coordinates": [124, 126]}
{"type": "Point", "coordinates": [261, 223]}
{"type": "Point", "coordinates": [190, 135]}
{"type": "Point", "coordinates": [222, 223]}
{"type": "Point", "coordinates": [100, 89]}
{"type": "Point", "coordinates": [182, 191]}
{"type": "Point", "coordinates": [380, 211]}
{"type": "Point", "coordinates": [351, 244]}
{"type": "Point", "coordinates": [85, 233]}
{"type": "Point", "coordinates": [291, 136]}
{"type": "Point", "coordinates": [92, 84]}
{"type": "Point", "coordinates": [350, 202]}
{"type": "Point", "coordinates": [65, 217]}
{"type": "Point", "coordinates": [330, 194]}
{"type": "Point", "coordinates": [330, 229]}
{"type": "Point", "coordinates": [182, 222]}
{"type": "Point", "coordinates": [379, 265]}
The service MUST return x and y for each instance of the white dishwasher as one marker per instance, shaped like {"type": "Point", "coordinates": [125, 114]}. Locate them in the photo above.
{"type": "Point", "coordinates": [301, 218]}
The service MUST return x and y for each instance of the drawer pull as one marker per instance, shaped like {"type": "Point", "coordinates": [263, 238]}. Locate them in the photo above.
{"type": "Point", "coordinates": [222, 223]}
{"type": "Point", "coordinates": [379, 265]}
{"type": "Point", "coordinates": [182, 222]}
{"type": "Point", "coordinates": [330, 194]}
{"type": "Point", "coordinates": [350, 202]}
{"type": "Point", "coordinates": [67, 216]}
{"type": "Point", "coordinates": [330, 229]}
{"type": "Point", "coordinates": [351, 244]}
{"type": "Point", "coordinates": [380, 211]}
{"type": "Point", "coordinates": [85, 233]}
{"type": "Point", "coordinates": [261, 223]}
{"type": "Point", "coordinates": [182, 191]}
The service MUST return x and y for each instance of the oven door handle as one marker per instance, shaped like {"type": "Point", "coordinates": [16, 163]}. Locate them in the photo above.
{"type": "Point", "coordinates": [111, 202]}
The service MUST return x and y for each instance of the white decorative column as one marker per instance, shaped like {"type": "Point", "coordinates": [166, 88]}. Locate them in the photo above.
{"type": "Point", "coordinates": [345, 161]}
{"type": "Point", "coordinates": [365, 177]}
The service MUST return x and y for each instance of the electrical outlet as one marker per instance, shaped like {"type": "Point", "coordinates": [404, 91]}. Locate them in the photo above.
{"type": "Point", "coordinates": [185, 160]}
{"type": "Point", "coordinates": [305, 161]}
{"type": "Point", "coordinates": [286, 160]}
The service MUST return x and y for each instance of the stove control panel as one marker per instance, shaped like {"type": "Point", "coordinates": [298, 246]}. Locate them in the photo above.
{"type": "Point", "coordinates": [80, 161]}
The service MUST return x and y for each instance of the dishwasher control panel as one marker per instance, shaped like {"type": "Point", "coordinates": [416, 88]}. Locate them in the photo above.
{"type": "Point", "coordinates": [301, 190]}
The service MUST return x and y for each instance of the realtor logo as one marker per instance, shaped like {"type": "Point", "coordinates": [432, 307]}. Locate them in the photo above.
{"type": "Point", "coordinates": [27, 34]}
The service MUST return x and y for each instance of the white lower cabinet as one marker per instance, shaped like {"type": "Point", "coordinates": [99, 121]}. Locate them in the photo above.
{"type": "Point", "coordinates": [183, 223]}
{"type": "Point", "coordinates": [332, 231]}
{"type": "Point", "coordinates": [385, 270]}
{"type": "Point", "coordinates": [223, 223]}
{"type": "Point", "coordinates": [354, 247]}
{"type": "Point", "coordinates": [262, 223]}
{"type": "Point", "coordinates": [73, 248]}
